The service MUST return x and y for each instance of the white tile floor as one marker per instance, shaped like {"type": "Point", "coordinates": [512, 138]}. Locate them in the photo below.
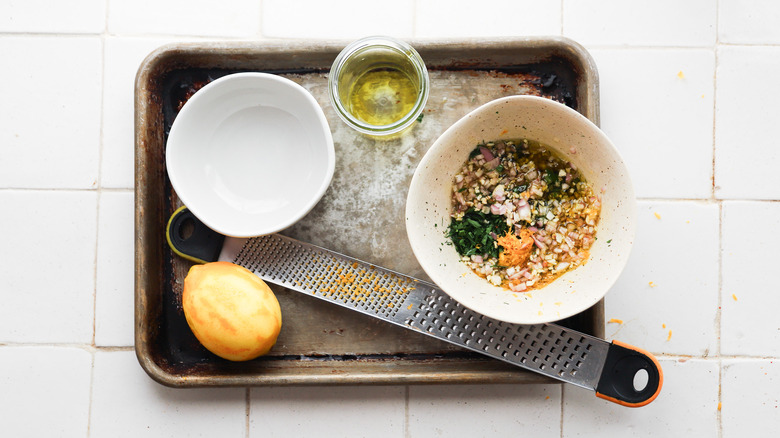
{"type": "Point", "coordinates": [688, 93]}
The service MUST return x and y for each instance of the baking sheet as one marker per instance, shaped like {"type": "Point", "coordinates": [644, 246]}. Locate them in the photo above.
{"type": "Point", "coordinates": [361, 214]}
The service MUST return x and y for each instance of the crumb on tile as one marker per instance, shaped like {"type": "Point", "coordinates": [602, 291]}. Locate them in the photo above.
{"type": "Point", "coordinates": [680, 74]}
{"type": "Point", "coordinates": [657, 215]}
{"type": "Point", "coordinates": [734, 296]}
{"type": "Point", "coordinates": [615, 321]}
{"type": "Point", "coordinates": [651, 284]}
{"type": "Point", "coordinates": [720, 405]}
{"type": "Point", "coordinates": [670, 336]}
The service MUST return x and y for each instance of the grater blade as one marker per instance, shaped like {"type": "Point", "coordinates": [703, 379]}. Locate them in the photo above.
{"type": "Point", "coordinates": [549, 349]}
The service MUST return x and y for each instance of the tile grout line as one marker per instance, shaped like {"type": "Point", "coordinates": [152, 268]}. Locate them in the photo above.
{"type": "Point", "coordinates": [561, 29]}
{"type": "Point", "coordinates": [98, 189]}
{"type": "Point", "coordinates": [406, 426]}
{"type": "Point", "coordinates": [719, 312]}
{"type": "Point", "coordinates": [99, 198]}
{"type": "Point", "coordinates": [259, 34]}
{"type": "Point", "coordinates": [66, 189]}
{"type": "Point", "coordinates": [248, 411]}
{"type": "Point", "coordinates": [89, 399]}
{"type": "Point", "coordinates": [562, 392]}
{"type": "Point", "coordinates": [415, 5]}
{"type": "Point", "coordinates": [719, 318]}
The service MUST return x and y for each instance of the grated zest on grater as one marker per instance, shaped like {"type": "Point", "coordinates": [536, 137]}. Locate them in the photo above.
{"type": "Point", "coordinates": [549, 349]}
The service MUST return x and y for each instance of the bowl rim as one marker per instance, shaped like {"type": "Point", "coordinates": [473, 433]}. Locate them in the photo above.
{"type": "Point", "coordinates": [249, 80]}
{"type": "Point", "coordinates": [413, 213]}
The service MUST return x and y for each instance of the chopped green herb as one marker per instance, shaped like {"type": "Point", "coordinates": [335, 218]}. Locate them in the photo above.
{"type": "Point", "coordinates": [551, 177]}
{"type": "Point", "coordinates": [420, 117]}
{"type": "Point", "coordinates": [471, 235]}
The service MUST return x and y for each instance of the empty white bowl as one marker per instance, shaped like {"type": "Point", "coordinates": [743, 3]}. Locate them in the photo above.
{"type": "Point", "coordinates": [250, 154]}
{"type": "Point", "coordinates": [574, 137]}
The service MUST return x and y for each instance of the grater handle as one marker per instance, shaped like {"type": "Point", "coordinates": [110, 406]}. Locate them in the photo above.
{"type": "Point", "coordinates": [621, 366]}
{"type": "Point", "coordinates": [188, 237]}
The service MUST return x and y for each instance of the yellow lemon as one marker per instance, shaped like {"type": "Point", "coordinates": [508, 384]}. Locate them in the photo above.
{"type": "Point", "coordinates": [231, 311]}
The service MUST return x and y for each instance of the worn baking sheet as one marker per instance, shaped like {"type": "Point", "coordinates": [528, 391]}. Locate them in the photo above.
{"type": "Point", "coordinates": [361, 214]}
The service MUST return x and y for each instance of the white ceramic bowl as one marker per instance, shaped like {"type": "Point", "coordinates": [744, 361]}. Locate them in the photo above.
{"type": "Point", "coordinates": [574, 137]}
{"type": "Point", "coordinates": [250, 154]}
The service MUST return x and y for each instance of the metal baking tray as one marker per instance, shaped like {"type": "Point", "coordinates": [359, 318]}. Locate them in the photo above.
{"type": "Point", "coordinates": [361, 214]}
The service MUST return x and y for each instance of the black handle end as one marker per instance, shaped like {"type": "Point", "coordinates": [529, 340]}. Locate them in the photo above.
{"type": "Point", "coordinates": [190, 238]}
{"type": "Point", "coordinates": [623, 364]}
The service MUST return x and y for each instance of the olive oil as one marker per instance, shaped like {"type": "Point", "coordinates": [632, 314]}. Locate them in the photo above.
{"type": "Point", "coordinates": [382, 96]}
{"type": "Point", "coordinates": [379, 86]}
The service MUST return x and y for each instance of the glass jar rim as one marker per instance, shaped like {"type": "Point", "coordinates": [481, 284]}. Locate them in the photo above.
{"type": "Point", "coordinates": [393, 44]}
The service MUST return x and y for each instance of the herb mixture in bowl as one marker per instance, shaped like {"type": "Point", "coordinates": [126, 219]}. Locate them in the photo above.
{"type": "Point", "coordinates": [521, 216]}
{"type": "Point", "coordinates": [603, 206]}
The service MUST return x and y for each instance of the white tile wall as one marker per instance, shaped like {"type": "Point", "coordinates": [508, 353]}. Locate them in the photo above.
{"type": "Point", "coordinates": [749, 323]}
{"type": "Point", "coordinates": [761, 15]}
{"type": "Point", "coordinates": [668, 23]}
{"type": "Point", "coordinates": [502, 18]}
{"type": "Point", "coordinates": [355, 411]}
{"type": "Point", "coordinates": [127, 403]}
{"type": "Point", "coordinates": [46, 391]}
{"type": "Point", "coordinates": [115, 270]}
{"type": "Point", "coordinates": [348, 19]}
{"type": "Point", "coordinates": [688, 95]}
{"type": "Point", "coordinates": [47, 266]}
{"type": "Point", "coordinates": [674, 262]}
{"type": "Point", "coordinates": [236, 18]}
{"type": "Point", "coordinates": [50, 111]}
{"type": "Point", "coordinates": [657, 107]}
{"type": "Point", "coordinates": [485, 410]}
{"type": "Point", "coordinates": [751, 397]}
{"type": "Point", "coordinates": [745, 144]}
{"type": "Point", "coordinates": [44, 16]}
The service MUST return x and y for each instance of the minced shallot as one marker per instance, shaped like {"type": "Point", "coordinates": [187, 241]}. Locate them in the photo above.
{"type": "Point", "coordinates": [542, 198]}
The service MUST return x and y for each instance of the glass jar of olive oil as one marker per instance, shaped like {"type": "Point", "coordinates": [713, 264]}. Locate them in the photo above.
{"type": "Point", "coordinates": [378, 85]}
